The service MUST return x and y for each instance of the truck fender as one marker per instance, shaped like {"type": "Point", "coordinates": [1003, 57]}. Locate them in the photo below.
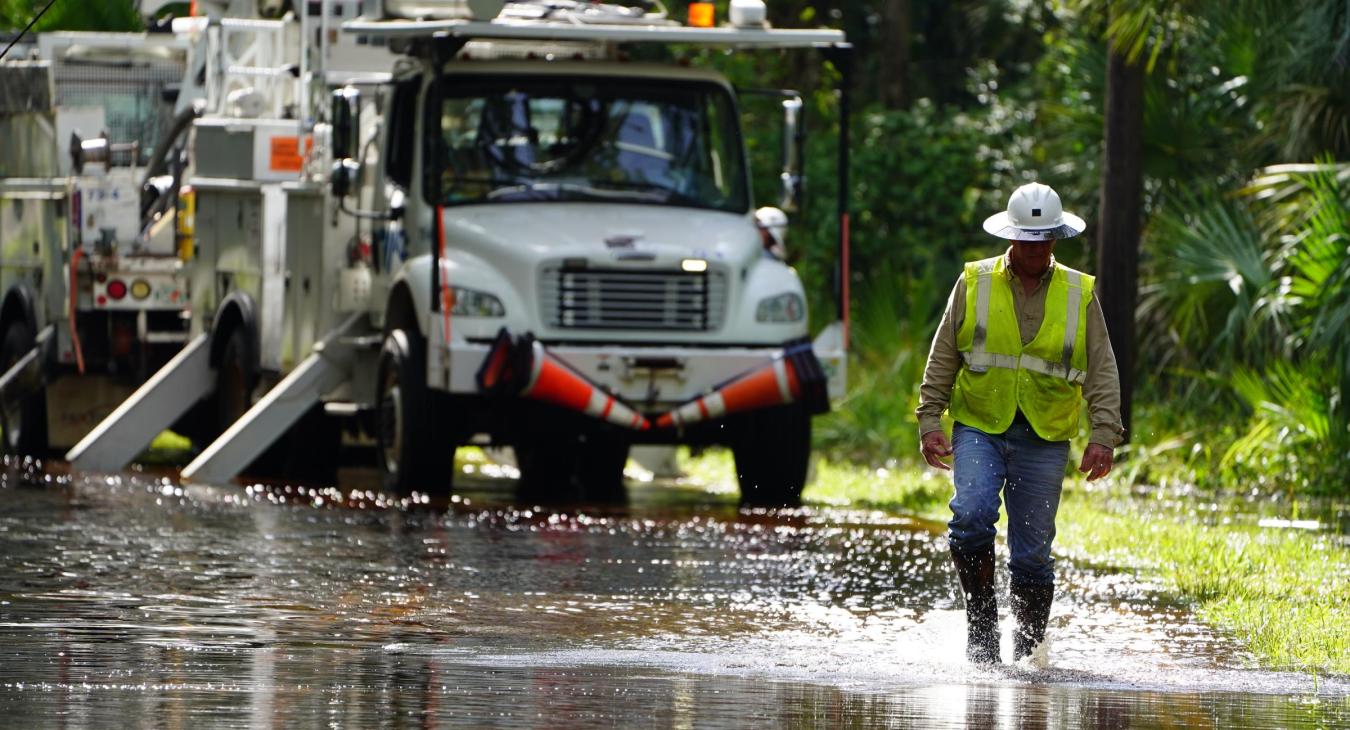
{"type": "Point", "coordinates": [238, 310]}
{"type": "Point", "coordinates": [401, 312]}
{"type": "Point", "coordinates": [19, 307]}
{"type": "Point", "coordinates": [768, 277]}
{"type": "Point", "coordinates": [413, 283]}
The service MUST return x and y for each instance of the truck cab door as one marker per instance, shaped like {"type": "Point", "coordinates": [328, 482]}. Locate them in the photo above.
{"type": "Point", "coordinates": [400, 149]}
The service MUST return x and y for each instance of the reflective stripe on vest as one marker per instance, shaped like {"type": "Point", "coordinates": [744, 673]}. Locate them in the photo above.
{"type": "Point", "coordinates": [980, 360]}
{"type": "Point", "coordinates": [1001, 374]}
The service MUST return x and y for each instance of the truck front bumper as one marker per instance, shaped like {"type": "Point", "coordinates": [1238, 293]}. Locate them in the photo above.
{"type": "Point", "coordinates": [652, 379]}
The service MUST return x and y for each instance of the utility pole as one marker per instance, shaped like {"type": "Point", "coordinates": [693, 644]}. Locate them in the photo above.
{"type": "Point", "coordinates": [1121, 207]}
{"type": "Point", "coordinates": [897, 27]}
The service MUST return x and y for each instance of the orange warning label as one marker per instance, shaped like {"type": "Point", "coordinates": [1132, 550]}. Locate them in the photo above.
{"type": "Point", "coordinates": [286, 155]}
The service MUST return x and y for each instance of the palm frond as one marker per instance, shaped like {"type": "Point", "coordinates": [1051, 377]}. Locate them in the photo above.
{"type": "Point", "coordinates": [1293, 436]}
{"type": "Point", "coordinates": [1209, 271]}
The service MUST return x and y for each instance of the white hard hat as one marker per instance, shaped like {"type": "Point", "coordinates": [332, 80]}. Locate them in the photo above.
{"type": "Point", "coordinates": [774, 222]}
{"type": "Point", "coordinates": [1034, 214]}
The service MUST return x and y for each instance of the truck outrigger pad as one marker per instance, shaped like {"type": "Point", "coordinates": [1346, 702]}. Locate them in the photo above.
{"type": "Point", "coordinates": [326, 367]}
{"type": "Point", "coordinates": [25, 376]}
{"type": "Point", "coordinates": [163, 399]}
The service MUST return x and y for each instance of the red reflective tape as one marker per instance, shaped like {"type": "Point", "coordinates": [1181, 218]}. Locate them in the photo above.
{"type": "Point", "coordinates": [445, 283]}
{"type": "Point", "coordinates": [843, 227]}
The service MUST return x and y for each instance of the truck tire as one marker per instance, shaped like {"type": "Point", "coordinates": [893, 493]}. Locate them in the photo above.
{"type": "Point", "coordinates": [412, 451]}
{"type": "Point", "coordinates": [235, 381]}
{"type": "Point", "coordinates": [24, 423]}
{"type": "Point", "coordinates": [772, 447]}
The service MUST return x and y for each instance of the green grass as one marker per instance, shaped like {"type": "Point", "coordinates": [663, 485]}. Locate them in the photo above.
{"type": "Point", "coordinates": [1285, 594]}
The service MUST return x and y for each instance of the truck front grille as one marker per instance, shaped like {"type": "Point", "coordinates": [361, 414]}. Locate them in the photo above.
{"type": "Point", "coordinates": [632, 299]}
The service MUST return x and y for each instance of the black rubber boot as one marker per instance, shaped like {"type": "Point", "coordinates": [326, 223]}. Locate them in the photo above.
{"type": "Point", "coordinates": [976, 571]}
{"type": "Point", "coordinates": [1031, 609]}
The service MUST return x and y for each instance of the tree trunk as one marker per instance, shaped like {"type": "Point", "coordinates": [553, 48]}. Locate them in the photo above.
{"type": "Point", "coordinates": [1118, 228]}
{"type": "Point", "coordinates": [895, 54]}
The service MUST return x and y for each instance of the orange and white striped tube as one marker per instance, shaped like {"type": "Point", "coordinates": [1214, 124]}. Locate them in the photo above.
{"type": "Point", "coordinates": [771, 385]}
{"type": "Point", "coordinates": [553, 382]}
{"type": "Point", "coordinates": [521, 367]}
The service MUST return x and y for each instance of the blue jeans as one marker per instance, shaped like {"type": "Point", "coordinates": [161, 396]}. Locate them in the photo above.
{"type": "Point", "coordinates": [1029, 471]}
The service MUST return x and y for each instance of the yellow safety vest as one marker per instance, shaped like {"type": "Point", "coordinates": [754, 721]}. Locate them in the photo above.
{"type": "Point", "coordinates": [1045, 378]}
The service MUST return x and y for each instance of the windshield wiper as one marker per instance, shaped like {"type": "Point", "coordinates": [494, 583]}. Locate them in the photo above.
{"type": "Point", "coordinates": [556, 191]}
{"type": "Point", "coordinates": [608, 190]}
{"type": "Point", "coordinates": [529, 190]}
{"type": "Point", "coordinates": [486, 179]}
{"type": "Point", "coordinates": [667, 195]}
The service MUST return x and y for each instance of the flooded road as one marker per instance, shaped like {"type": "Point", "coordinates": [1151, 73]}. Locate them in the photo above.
{"type": "Point", "coordinates": [133, 601]}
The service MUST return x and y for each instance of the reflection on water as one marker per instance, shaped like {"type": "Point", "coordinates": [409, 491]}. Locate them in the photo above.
{"type": "Point", "coordinates": [136, 600]}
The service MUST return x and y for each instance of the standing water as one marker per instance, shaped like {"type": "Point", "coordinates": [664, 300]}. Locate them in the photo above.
{"type": "Point", "coordinates": [133, 600]}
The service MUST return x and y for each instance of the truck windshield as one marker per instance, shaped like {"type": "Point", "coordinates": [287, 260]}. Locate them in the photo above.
{"type": "Point", "coordinates": [591, 139]}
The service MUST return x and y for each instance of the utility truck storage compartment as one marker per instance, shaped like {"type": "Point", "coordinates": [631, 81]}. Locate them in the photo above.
{"type": "Point", "coordinates": [265, 150]}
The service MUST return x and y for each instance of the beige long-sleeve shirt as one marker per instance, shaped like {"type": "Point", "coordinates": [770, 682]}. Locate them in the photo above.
{"type": "Point", "coordinates": [1101, 389]}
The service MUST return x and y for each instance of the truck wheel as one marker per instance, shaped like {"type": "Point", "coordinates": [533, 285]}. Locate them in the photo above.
{"type": "Point", "coordinates": [412, 451]}
{"type": "Point", "coordinates": [23, 422]}
{"type": "Point", "coordinates": [772, 447]}
{"type": "Point", "coordinates": [235, 381]}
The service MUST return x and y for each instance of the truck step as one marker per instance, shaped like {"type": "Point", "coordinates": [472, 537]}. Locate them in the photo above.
{"type": "Point", "coordinates": [363, 342]}
{"type": "Point", "coordinates": [155, 338]}
{"type": "Point", "coordinates": [344, 409]}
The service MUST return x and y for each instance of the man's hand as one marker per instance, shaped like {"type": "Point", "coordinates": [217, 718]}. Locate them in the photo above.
{"type": "Point", "coordinates": [1096, 461]}
{"type": "Point", "coordinates": [934, 446]}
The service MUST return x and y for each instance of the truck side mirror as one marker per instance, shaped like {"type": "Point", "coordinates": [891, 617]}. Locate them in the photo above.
{"type": "Point", "coordinates": [346, 173]}
{"type": "Point", "coordinates": [346, 140]}
{"type": "Point", "coordinates": [794, 137]}
{"type": "Point", "coordinates": [346, 123]}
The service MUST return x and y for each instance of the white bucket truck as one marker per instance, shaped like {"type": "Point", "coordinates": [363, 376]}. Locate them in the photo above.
{"type": "Point", "coordinates": [519, 237]}
{"type": "Point", "coordinates": [92, 286]}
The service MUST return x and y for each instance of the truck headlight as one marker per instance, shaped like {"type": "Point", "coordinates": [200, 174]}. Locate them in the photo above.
{"type": "Point", "coordinates": [473, 303]}
{"type": "Point", "coordinates": [787, 307]}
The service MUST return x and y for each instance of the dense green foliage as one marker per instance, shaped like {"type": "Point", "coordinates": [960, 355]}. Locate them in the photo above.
{"type": "Point", "coordinates": [70, 15]}
{"type": "Point", "coordinates": [1242, 369]}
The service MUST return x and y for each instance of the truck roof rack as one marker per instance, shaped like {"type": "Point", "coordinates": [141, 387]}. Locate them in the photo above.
{"type": "Point", "coordinates": [511, 29]}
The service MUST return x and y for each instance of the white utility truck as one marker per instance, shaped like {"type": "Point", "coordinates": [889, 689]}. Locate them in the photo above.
{"type": "Point", "coordinates": [93, 294]}
{"type": "Point", "coordinates": [518, 237]}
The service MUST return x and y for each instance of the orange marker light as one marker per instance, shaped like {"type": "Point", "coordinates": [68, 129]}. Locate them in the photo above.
{"type": "Point", "coordinates": [701, 15]}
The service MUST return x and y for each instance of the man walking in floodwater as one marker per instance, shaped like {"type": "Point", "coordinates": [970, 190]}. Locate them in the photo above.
{"type": "Point", "coordinates": [1022, 342]}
